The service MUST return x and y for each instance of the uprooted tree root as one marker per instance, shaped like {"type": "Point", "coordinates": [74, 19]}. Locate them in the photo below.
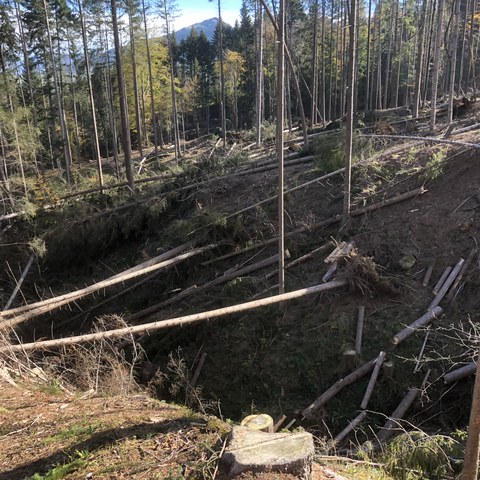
{"type": "Point", "coordinates": [365, 275]}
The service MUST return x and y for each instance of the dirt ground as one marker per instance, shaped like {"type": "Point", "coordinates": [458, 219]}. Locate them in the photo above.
{"type": "Point", "coordinates": [44, 428]}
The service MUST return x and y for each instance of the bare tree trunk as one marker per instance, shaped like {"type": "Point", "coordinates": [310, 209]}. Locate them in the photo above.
{"type": "Point", "coordinates": [367, 68]}
{"type": "Point", "coordinates": [58, 94]}
{"type": "Point", "coordinates": [350, 112]}
{"type": "Point", "coordinates": [436, 64]}
{"type": "Point", "coordinates": [259, 93]}
{"type": "Point", "coordinates": [98, 156]}
{"type": "Point", "coordinates": [28, 74]}
{"type": "Point", "coordinates": [133, 57]}
{"type": "Point", "coordinates": [14, 122]}
{"type": "Point", "coordinates": [150, 80]}
{"type": "Point", "coordinates": [126, 142]}
{"type": "Point", "coordinates": [471, 462]}
{"type": "Point", "coordinates": [322, 53]}
{"type": "Point", "coordinates": [279, 145]}
{"type": "Point", "coordinates": [419, 61]}
{"type": "Point", "coordinates": [313, 112]}
{"type": "Point", "coordinates": [453, 60]}
{"type": "Point", "coordinates": [111, 107]}
{"type": "Point", "coordinates": [176, 129]}
{"type": "Point", "coordinates": [185, 320]}
{"type": "Point", "coordinates": [223, 118]}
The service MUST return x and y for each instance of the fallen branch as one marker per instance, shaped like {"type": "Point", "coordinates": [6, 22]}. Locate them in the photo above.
{"type": "Point", "coordinates": [226, 277]}
{"type": "Point", "coordinates": [338, 386]}
{"type": "Point", "coordinates": [174, 322]}
{"type": "Point", "coordinates": [373, 379]}
{"type": "Point", "coordinates": [301, 259]}
{"type": "Point", "coordinates": [389, 201]}
{"type": "Point", "coordinates": [394, 420]}
{"type": "Point", "coordinates": [446, 285]}
{"type": "Point", "coordinates": [423, 139]}
{"type": "Point", "coordinates": [460, 373]}
{"type": "Point", "coordinates": [408, 331]}
{"type": "Point", "coordinates": [194, 381]}
{"type": "Point", "coordinates": [359, 335]}
{"type": "Point", "coordinates": [40, 308]}
{"type": "Point", "coordinates": [353, 424]}
{"type": "Point", "coordinates": [441, 281]}
{"type": "Point", "coordinates": [462, 273]}
{"type": "Point", "coordinates": [33, 256]}
{"type": "Point", "coordinates": [428, 275]}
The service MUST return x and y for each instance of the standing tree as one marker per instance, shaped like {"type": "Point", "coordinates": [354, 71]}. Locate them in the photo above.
{"type": "Point", "coordinates": [167, 10]}
{"type": "Point", "coordinates": [279, 145]}
{"type": "Point", "coordinates": [259, 84]}
{"type": "Point", "coordinates": [436, 63]}
{"type": "Point", "coordinates": [126, 142]}
{"type": "Point", "coordinates": [350, 104]}
{"type": "Point", "coordinates": [98, 156]}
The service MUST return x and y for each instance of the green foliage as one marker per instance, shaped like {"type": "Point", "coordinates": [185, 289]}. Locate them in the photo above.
{"type": "Point", "coordinates": [175, 474]}
{"type": "Point", "coordinates": [74, 431]}
{"type": "Point", "coordinates": [329, 151]}
{"type": "Point", "coordinates": [434, 166]}
{"type": "Point", "coordinates": [52, 388]}
{"type": "Point", "coordinates": [27, 209]}
{"type": "Point", "coordinates": [77, 461]}
{"type": "Point", "coordinates": [38, 246]}
{"type": "Point", "coordinates": [419, 456]}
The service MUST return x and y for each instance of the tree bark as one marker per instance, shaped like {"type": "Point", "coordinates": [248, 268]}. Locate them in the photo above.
{"type": "Point", "coordinates": [471, 461]}
{"type": "Point", "coordinates": [350, 112]}
{"type": "Point", "coordinates": [173, 322]}
{"type": "Point", "coordinates": [126, 141]}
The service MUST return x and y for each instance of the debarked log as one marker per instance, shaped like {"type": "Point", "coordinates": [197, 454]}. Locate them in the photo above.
{"type": "Point", "coordinates": [421, 322]}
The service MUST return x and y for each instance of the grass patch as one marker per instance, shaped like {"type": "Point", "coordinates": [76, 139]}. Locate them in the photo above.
{"type": "Point", "coordinates": [77, 461]}
{"type": "Point", "coordinates": [75, 431]}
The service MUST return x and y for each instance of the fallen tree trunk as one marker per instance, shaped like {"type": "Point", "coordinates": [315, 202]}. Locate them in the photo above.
{"type": "Point", "coordinates": [421, 322]}
{"type": "Point", "coordinates": [389, 201]}
{"type": "Point", "coordinates": [338, 386]}
{"type": "Point", "coordinates": [460, 373]}
{"type": "Point", "coordinates": [57, 302]}
{"type": "Point", "coordinates": [173, 322]}
{"type": "Point", "coordinates": [153, 261]}
{"type": "Point", "coordinates": [328, 221]}
{"type": "Point", "coordinates": [353, 424]}
{"type": "Point", "coordinates": [423, 139]}
{"type": "Point", "coordinates": [32, 258]}
{"type": "Point", "coordinates": [226, 277]}
{"type": "Point", "coordinates": [462, 273]}
{"type": "Point", "coordinates": [373, 379]}
{"type": "Point", "coordinates": [441, 281]}
{"type": "Point", "coordinates": [359, 335]}
{"type": "Point", "coordinates": [447, 284]}
{"type": "Point", "coordinates": [394, 420]}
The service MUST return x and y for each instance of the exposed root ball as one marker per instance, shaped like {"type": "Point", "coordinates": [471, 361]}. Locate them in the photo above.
{"type": "Point", "coordinates": [365, 275]}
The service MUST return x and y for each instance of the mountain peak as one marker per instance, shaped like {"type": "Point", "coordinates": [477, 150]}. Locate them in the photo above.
{"type": "Point", "coordinates": [208, 26]}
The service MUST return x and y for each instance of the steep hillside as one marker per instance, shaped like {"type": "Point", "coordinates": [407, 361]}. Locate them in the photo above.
{"type": "Point", "coordinates": [279, 359]}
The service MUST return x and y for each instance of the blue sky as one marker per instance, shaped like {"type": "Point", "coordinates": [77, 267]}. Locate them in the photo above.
{"type": "Point", "coordinates": [195, 11]}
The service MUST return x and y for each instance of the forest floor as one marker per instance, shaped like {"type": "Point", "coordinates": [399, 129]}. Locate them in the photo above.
{"type": "Point", "coordinates": [274, 360]}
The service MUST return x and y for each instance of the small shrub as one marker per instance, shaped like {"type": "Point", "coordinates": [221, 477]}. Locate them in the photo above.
{"type": "Point", "coordinates": [77, 461]}
{"type": "Point", "coordinates": [38, 246]}
{"type": "Point", "coordinates": [329, 151]}
{"type": "Point", "coordinates": [418, 456]}
{"type": "Point", "coordinates": [434, 167]}
{"type": "Point", "coordinates": [27, 209]}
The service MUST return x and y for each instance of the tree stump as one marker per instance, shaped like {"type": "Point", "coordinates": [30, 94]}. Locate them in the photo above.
{"type": "Point", "coordinates": [257, 452]}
